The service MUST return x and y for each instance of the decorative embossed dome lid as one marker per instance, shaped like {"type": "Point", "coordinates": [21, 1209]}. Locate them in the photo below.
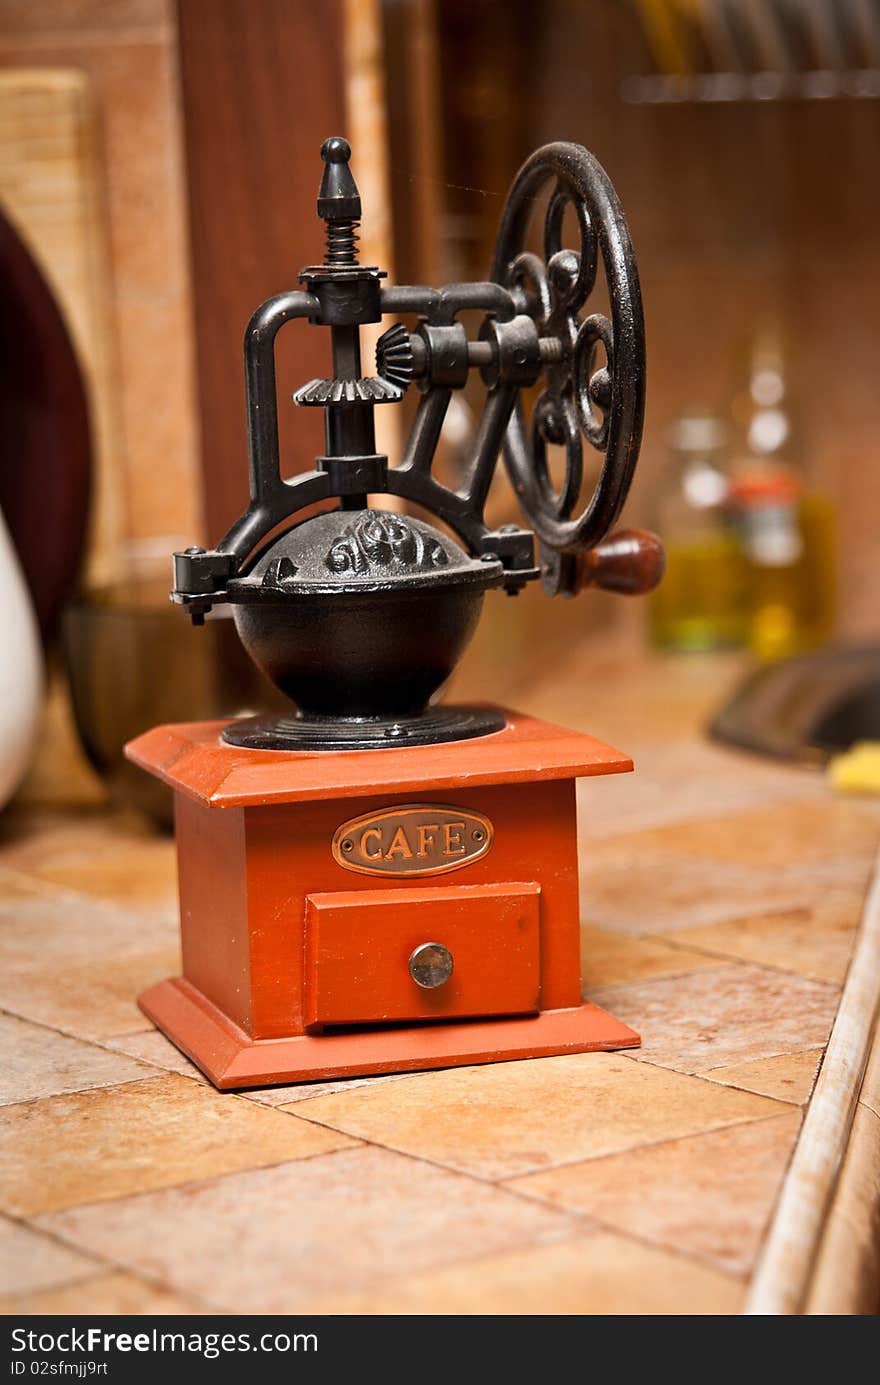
{"type": "Point", "coordinates": [359, 551]}
{"type": "Point", "coordinates": [359, 616]}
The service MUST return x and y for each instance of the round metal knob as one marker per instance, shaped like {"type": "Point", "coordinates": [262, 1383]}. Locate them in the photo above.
{"type": "Point", "coordinates": [430, 965]}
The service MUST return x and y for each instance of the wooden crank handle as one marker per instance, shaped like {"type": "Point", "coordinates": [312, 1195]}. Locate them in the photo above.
{"type": "Point", "coordinates": [630, 562]}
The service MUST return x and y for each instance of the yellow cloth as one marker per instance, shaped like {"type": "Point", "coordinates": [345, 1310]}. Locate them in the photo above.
{"type": "Point", "coordinates": [858, 770]}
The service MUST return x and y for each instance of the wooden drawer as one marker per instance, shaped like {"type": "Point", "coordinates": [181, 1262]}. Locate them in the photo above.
{"type": "Point", "coordinates": [359, 944]}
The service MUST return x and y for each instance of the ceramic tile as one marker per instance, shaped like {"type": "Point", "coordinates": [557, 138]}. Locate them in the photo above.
{"type": "Point", "coordinates": [700, 857]}
{"type": "Point", "coordinates": [708, 1196]}
{"type": "Point", "coordinates": [788, 1077]}
{"type": "Point", "coordinates": [114, 855]}
{"type": "Point", "coordinates": [597, 1274]}
{"type": "Point", "coordinates": [608, 959]}
{"type": "Point", "coordinates": [152, 1047]}
{"type": "Point", "coordinates": [92, 1146]}
{"type": "Point", "coordinates": [627, 889]}
{"type": "Point", "coordinates": [781, 836]}
{"type": "Point", "coordinates": [607, 688]}
{"type": "Point", "coordinates": [726, 1014]}
{"type": "Point", "coordinates": [114, 1293]}
{"type": "Point", "coordinates": [16, 887]}
{"type": "Point", "coordinates": [31, 1261]}
{"type": "Point", "coordinates": [679, 780]}
{"type": "Point", "coordinates": [503, 1119]}
{"type": "Point", "coordinates": [40, 1062]}
{"type": "Point", "coordinates": [815, 942]}
{"type": "Point", "coordinates": [305, 1091]}
{"type": "Point", "coordinates": [78, 964]}
{"type": "Point", "coordinates": [273, 1240]}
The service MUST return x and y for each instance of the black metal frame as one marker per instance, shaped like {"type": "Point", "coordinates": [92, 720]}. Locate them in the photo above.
{"type": "Point", "coordinates": [531, 327]}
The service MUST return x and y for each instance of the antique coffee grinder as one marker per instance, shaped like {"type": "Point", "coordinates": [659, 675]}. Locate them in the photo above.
{"type": "Point", "coordinates": [377, 882]}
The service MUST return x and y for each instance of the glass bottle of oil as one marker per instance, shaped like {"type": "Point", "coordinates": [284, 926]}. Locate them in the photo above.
{"type": "Point", "coordinates": [786, 526]}
{"type": "Point", "coordinates": [701, 602]}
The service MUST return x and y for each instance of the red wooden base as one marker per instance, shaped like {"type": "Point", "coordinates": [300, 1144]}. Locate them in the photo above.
{"type": "Point", "coordinates": [231, 1059]}
{"type": "Point", "coordinates": [296, 957]}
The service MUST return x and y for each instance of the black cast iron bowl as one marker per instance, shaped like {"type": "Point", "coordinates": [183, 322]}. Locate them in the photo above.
{"type": "Point", "coordinates": [361, 614]}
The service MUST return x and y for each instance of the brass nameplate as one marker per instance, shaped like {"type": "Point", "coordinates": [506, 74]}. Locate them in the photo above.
{"type": "Point", "coordinates": [417, 839]}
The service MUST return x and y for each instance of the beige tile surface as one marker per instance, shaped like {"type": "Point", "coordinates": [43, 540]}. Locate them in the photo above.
{"type": "Point", "coordinates": [708, 1196]}
{"type": "Point", "coordinates": [39, 1062]}
{"type": "Point", "coordinates": [608, 688]}
{"type": "Point", "coordinates": [15, 886]}
{"type": "Point", "coordinates": [718, 913]}
{"type": "Point", "coordinates": [112, 1293]}
{"type": "Point", "coordinates": [609, 959]}
{"type": "Point", "coordinates": [306, 1091]}
{"type": "Point", "coordinates": [114, 855]}
{"type": "Point", "coordinates": [597, 1274]}
{"type": "Point", "coordinates": [727, 1014]}
{"type": "Point", "coordinates": [779, 836]}
{"type": "Point", "coordinates": [31, 1261]}
{"type": "Point", "coordinates": [815, 942]}
{"type": "Point", "coordinates": [633, 890]}
{"type": "Point", "coordinates": [787, 1077]}
{"type": "Point", "coordinates": [77, 963]}
{"type": "Point", "coordinates": [153, 1048]}
{"type": "Point", "coordinates": [682, 779]}
{"type": "Point", "coordinates": [503, 1119]}
{"type": "Point", "coordinates": [275, 1239]}
{"type": "Point", "coordinates": [102, 1144]}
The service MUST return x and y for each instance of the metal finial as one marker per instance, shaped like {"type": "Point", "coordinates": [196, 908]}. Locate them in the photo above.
{"type": "Point", "coordinates": [339, 202]}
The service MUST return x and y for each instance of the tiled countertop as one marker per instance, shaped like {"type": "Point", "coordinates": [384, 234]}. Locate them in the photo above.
{"type": "Point", "coordinates": [720, 901]}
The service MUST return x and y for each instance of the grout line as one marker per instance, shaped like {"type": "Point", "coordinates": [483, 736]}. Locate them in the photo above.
{"type": "Point", "coordinates": [35, 1218]}
{"type": "Point", "coordinates": [103, 1265]}
{"type": "Point", "coordinates": [24, 1221]}
{"type": "Point", "coordinates": [704, 951]}
{"type": "Point", "coordinates": [155, 1076]}
{"type": "Point", "coordinates": [703, 1076]}
{"type": "Point", "coordinates": [104, 1269]}
{"type": "Point", "coordinates": [102, 1041]}
{"type": "Point", "coordinates": [648, 1144]}
{"type": "Point", "coordinates": [502, 1180]}
{"type": "Point", "coordinates": [578, 1227]}
{"type": "Point", "coordinates": [584, 1229]}
{"type": "Point", "coordinates": [50, 1028]}
{"type": "Point", "coordinates": [724, 960]}
{"type": "Point", "coordinates": [482, 1179]}
{"type": "Point", "coordinates": [741, 1276]}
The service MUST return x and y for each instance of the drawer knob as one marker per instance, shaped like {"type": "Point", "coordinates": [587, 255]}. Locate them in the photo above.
{"type": "Point", "coordinates": [430, 965]}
